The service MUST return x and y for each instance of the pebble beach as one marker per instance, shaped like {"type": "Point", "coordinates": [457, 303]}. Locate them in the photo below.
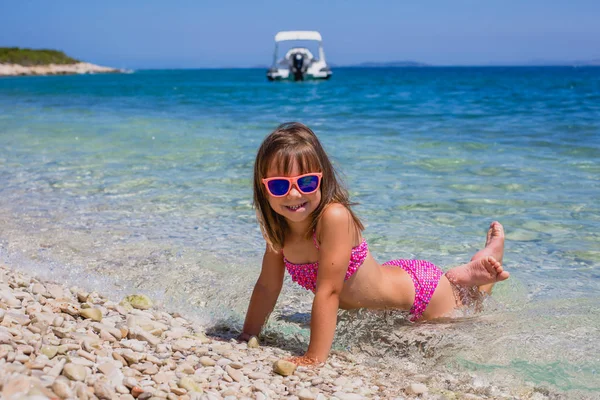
{"type": "Point", "coordinates": [59, 342]}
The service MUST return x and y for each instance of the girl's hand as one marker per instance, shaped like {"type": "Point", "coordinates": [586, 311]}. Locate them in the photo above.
{"type": "Point", "coordinates": [245, 337]}
{"type": "Point", "coordinates": [304, 361]}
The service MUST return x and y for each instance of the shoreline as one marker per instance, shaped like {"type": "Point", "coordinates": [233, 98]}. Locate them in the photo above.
{"type": "Point", "coordinates": [56, 69]}
{"type": "Point", "coordinates": [59, 342]}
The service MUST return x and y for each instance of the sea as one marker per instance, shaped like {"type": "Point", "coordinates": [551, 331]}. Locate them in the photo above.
{"type": "Point", "coordinates": [142, 183]}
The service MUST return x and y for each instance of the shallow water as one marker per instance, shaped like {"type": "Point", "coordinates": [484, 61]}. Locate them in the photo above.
{"type": "Point", "coordinates": [142, 182]}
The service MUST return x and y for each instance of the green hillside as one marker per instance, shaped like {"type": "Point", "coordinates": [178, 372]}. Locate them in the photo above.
{"type": "Point", "coordinates": [28, 57]}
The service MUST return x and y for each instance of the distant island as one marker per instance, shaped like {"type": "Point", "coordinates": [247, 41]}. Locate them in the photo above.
{"type": "Point", "coordinates": [19, 61]}
{"type": "Point", "coordinates": [389, 64]}
{"type": "Point", "coordinates": [536, 63]}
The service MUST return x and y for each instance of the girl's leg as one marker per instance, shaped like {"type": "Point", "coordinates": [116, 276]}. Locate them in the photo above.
{"type": "Point", "coordinates": [485, 268]}
{"type": "Point", "coordinates": [494, 243]}
{"type": "Point", "coordinates": [494, 246]}
{"type": "Point", "coordinates": [443, 301]}
{"type": "Point", "coordinates": [483, 271]}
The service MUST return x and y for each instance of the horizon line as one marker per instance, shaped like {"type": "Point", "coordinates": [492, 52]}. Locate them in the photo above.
{"type": "Point", "coordinates": [358, 66]}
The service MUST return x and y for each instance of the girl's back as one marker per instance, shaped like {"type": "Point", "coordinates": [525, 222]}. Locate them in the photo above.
{"type": "Point", "coordinates": [370, 285]}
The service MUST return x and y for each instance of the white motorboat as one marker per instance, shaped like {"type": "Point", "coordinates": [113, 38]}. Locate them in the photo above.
{"type": "Point", "coordinates": [299, 63]}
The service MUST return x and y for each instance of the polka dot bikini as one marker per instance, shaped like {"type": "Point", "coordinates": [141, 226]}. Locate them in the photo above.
{"type": "Point", "coordinates": [425, 277]}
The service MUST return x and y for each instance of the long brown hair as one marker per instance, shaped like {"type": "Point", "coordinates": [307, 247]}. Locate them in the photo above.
{"type": "Point", "coordinates": [290, 143]}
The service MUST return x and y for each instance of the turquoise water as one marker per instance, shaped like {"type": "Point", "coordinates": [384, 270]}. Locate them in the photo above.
{"type": "Point", "coordinates": [142, 182]}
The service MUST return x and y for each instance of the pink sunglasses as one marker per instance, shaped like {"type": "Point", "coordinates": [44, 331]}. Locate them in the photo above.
{"type": "Point", "coordinates": [280, 186]}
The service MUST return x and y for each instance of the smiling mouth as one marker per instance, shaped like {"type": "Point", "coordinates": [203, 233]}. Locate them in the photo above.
{"type": "Point", "coordinates": [296, 207]}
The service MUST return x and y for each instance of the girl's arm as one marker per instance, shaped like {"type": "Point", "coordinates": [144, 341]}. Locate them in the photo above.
{"type": "Point", "coordinates": [338, 234]}
{"type": "Point", "coordinates": [265, 293]}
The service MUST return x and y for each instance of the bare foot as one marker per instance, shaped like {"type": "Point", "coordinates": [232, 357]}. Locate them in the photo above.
{"type": "Point", "coordinates": [478, 272]}
{"type": "Point", "coordinates": [494, 244]}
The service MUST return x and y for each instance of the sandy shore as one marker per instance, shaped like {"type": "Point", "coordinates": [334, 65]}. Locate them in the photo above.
{"type": "Point", "coordinates": [55, 69]}
{"type": "Point", "coordinates": [58, 342]}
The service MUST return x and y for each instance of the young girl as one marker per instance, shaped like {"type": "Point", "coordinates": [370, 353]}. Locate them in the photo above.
{"type": "Point", "coordinates": [311, 230]}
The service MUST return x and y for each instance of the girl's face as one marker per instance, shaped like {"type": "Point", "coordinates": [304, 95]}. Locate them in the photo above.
{"type": "Point", "coordinates": [295, 206]}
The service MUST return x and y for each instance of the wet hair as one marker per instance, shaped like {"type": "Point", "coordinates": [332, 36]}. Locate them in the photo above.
{"type": "Point", "coordinates": [290, 143]}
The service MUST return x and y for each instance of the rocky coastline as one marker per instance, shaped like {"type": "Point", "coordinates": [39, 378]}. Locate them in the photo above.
{"type": "Point", "coordinates": [55, 69]}
{"type": "Point", "coordinates": [67, 343]}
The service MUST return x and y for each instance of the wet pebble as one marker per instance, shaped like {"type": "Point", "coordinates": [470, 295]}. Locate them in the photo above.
{"type": "Point", "coordinates": [62, 388]}
{"type": "Point", "coordinates": [74, 372]}
{"type": "Point", "coordinates": [416, 389]}
{"type": "Point", "coordinates": [207, 361]}
{"type": "Point", "coordinates": [284, 367]}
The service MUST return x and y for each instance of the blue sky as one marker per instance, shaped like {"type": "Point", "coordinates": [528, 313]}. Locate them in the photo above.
{"type": "Point", "coordinates": [236, 33]}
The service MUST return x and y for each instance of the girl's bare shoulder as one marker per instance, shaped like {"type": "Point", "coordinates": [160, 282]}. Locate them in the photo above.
{"type": "Point", "coordinates": [336, 213]}
{"type": "Point", "coordinates": [336, 222]}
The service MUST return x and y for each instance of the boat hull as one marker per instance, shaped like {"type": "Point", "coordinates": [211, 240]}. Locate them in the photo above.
{"type": "Point", "coordinates": [286, 75]}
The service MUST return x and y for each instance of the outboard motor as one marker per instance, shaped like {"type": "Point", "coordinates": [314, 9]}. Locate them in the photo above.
{"type": "Point", "coordinates": [298, 66]}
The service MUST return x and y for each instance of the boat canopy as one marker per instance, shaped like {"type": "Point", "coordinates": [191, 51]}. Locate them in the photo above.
{"type": "Point", "coordinates": [298, 35]}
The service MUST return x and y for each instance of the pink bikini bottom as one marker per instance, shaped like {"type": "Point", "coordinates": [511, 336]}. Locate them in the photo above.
{"type": "Point", "coordinates": [425, 277]}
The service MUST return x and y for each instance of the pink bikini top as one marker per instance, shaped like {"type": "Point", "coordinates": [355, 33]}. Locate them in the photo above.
{"type": "Point", "coordinates": [306, 274]}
